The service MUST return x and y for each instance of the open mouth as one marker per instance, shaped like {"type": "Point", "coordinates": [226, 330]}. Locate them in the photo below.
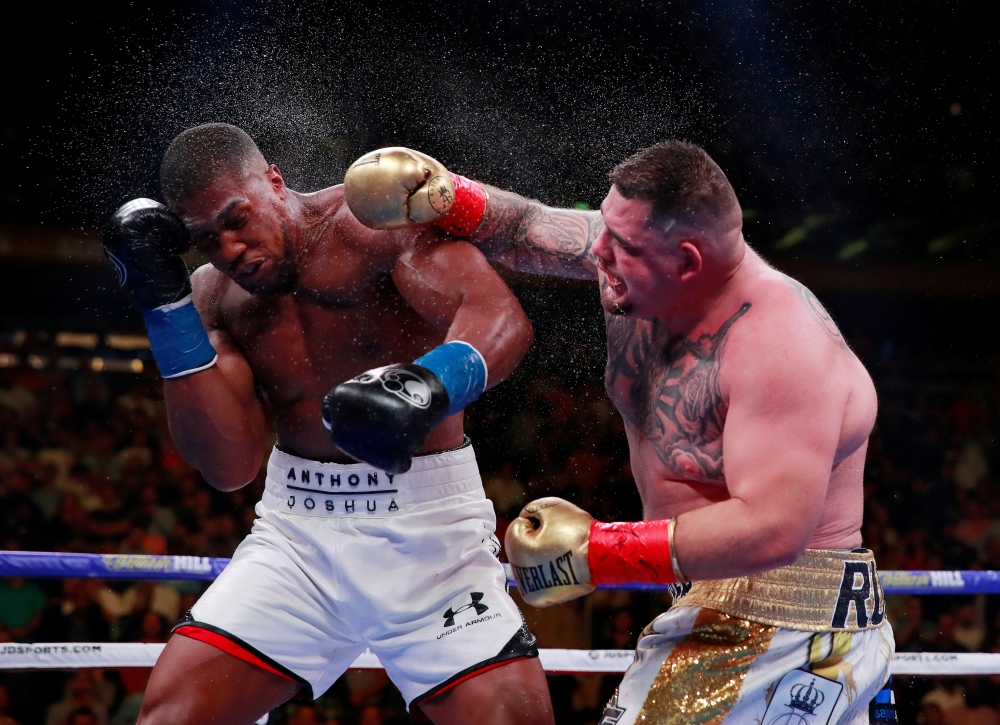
{"type": "Point", "coordinates": [614, 291]}
{"type": "Point", "coordinates": [248, 271]}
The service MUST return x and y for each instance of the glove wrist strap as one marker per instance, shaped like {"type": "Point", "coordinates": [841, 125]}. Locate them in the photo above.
{"type": "Point", "coordinates": [468, 209]}
{"type": "Point", "coordinates": [635, 552]}
{"type": "Point", "coordinates": [178, 339]}
{"type": "Point", "coordinates": [461, 369]}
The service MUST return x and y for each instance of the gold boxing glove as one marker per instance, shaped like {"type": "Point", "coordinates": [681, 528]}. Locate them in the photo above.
{"type": "Point", "coordinates": [396, 187]}
{"type": "Point", "coordinates": [547, 549]}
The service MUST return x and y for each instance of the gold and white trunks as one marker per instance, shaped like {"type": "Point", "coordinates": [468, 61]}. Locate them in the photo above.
{"type": "Point", "coordinates": [823, 590]}
{"type": "Point", "coordinates": [804, 643]}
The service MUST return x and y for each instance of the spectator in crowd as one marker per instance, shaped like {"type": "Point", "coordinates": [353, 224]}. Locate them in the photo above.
{"type": "Point", "coordinates": [21, 606]}
{"type": "Point", "coordinates": [371, 715]}
{"type": "Point", "coordinates": [5, 718]}
{"type": "Point", "coordinates": [128, 710]}
{"type": "Point", "coordinates": [86, 464]}
{"type": "Point", "coordinates": [86, 690]}
{"type": "Point", "coordinates": [302, 715]}
{"type": "Point", "coordinates": [74, 614]}
{"type": "Point", "coordinates": [82, 716]}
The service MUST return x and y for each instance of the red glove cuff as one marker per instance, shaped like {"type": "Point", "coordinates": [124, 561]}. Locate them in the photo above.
{"type": "Point", "coordinates": [467, 210]}
{"type": "Point", "coordinates": [635, 552]}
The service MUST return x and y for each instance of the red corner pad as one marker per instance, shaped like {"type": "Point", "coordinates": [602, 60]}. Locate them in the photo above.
{"type": "Point", "coordinates": [226, 645]}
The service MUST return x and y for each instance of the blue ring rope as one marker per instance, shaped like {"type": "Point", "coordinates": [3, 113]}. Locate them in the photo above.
{"type": "Point", "coordinates": [40, 564]}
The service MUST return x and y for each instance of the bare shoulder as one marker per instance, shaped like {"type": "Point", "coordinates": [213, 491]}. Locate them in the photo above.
{"type": "Point", "coordinates": [812, 308]}
{"type": "Point", "coordinates": [789, 347]}
{"type": "Point", "coordinates": [788, 332]}
{"type": "Point", "coordinates": [789, 310]}
{"type": "Point", "coordinates": [340, 227]}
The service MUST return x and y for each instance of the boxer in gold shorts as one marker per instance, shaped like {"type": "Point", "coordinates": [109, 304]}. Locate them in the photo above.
{"type": "Point", "coordinates": [748, 418]}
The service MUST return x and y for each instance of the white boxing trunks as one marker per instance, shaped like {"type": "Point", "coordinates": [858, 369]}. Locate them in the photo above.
{"type": "Point", "coordinates": [345, 557]}
{"type": "Point", "coordinates": [805, 644]}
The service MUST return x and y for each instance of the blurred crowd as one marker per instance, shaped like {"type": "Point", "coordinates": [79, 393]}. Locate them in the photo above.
{"type": "Point", "coordinates": [87, 465]}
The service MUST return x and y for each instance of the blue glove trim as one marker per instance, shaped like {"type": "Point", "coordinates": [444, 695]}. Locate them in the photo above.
{"type": "Point", "coordinates": [462, 371]}
{"type": "Point", "coordinates": [179, 341]}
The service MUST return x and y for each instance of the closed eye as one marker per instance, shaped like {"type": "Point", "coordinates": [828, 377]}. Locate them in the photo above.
{"type": "Point", "coordinates": [626, 247]}
{"type": "Point", "coordinates": [238, 221]}
{"type": "Point", "coordinates": [203, 241]}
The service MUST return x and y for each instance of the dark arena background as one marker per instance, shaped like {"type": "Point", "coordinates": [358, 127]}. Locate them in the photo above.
{"type": "Point", "coordinates": [861, 140]}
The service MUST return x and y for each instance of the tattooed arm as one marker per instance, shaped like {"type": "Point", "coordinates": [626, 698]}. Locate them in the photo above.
{"type": "Point", "coordinates": [530, 237]}
{"type": "Point", "coordinates": [788, 429]}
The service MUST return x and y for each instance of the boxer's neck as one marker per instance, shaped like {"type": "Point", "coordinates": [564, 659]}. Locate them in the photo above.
{"type": "Point", "coordinates": [697, 299]}
{"type": "Point", "coordinates": [304, 216]}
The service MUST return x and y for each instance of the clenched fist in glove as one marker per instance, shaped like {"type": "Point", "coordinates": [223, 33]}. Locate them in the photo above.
{"type": "Point", "coordinates": [143, 241]}
{"type": "Point", "coordinates": [558, 552]}
{"type": "Point", "coordinates": [394, 188]}
{"type": "Point", "coordinates": [383, 416]}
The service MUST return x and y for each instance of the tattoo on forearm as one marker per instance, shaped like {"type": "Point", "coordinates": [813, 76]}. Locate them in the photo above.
{"type": "Point", "coordinates": [667, 386]}
{"type": "Point", "coordinates": [819, 312]}
{"type": "Point", "coordinates": [531, 237]}
{"type": "Point", "coordinates": [559, 238]}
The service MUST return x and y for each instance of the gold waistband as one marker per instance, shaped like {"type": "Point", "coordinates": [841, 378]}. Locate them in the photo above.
{"type": "Point", "coordinates": [823, 591]}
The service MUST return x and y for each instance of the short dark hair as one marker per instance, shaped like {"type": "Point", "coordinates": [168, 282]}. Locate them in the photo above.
{"type": "Point", "coordinates": [200, 155]}
{"type": "Point", "coordinates": [680, 179]}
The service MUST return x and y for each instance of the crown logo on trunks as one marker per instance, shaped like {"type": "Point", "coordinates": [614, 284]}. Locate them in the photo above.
{"type": "Point", "coordinates": [449, 615]}
{"type": "Point", "coordinates": [806, 698]}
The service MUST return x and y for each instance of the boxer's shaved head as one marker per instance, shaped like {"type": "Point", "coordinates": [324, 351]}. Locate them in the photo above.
{"type": "Point", "coordinates": [682, 183]}
{"type": "Point", "coordinates": [199, 155]}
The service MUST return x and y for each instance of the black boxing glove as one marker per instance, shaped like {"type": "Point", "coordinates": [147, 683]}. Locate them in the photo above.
{"type": "Point", "coordinates": [383, 416]}
{"type": "Point", "coordinates": [143, 242]}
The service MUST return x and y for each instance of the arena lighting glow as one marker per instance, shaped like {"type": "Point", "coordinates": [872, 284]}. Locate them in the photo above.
{"type": "Point", "coordinates": [112, 365]}
{"type": "Point", "coordinates": [64, 362]}
{"type": "Point", "coordinates": [77, 339]}
{"type": "Point", "coordinates": [126, 342]}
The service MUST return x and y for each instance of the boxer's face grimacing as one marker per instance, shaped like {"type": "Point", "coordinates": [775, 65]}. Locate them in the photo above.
{"type": "Point", "coordinates": [240, 224]}
{"type": "Point", "coordinates": [639, 271]}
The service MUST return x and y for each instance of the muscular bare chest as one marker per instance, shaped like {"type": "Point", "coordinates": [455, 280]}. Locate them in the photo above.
{"type": "Point", "coordinates": [302, 344]}
{"type": "Point", "coordinates": [667, 389]}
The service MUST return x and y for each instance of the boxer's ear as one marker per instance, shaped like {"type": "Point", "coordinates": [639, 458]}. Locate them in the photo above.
{"type": "Point", "coordinates": [690, 262]}
{"type": "Point", "coordinates": [276, 180]}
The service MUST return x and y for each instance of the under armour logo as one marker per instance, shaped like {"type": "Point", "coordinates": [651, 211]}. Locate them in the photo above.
{"type": "Point", "coordinates": [449, 615]}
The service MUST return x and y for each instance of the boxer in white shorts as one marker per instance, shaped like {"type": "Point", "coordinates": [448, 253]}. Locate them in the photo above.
{"type": "Point", "coordinates": [304, 324]}
{"type": "Point", "coordinates": [345, 557]}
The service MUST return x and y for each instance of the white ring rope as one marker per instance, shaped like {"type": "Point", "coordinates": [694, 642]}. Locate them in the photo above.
{"type": "Point", "coordinates": [74, 655]}
{"type": "Point", "coordinates": [71, 655]}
